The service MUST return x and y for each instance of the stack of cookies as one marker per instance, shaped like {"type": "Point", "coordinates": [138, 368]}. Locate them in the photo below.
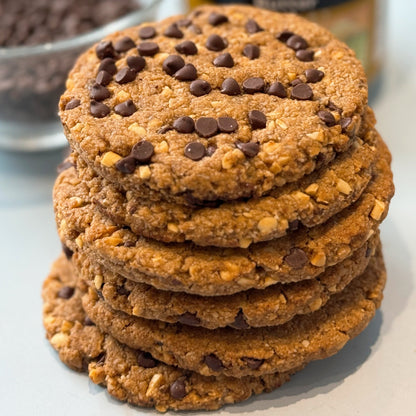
{"type": "Point", "coordinates": [219, 212]}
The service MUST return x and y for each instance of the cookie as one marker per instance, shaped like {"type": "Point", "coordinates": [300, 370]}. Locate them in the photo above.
{"type": "Point", "coordinates": [209, 112]}
{"type": "Point", "coordinates": [253, 308]}
{"type": "Point", "coordinates": [254, 351]}
{"type": "Point", "coordinates": [310, 201]}
{"type": "Point", "coordinates": [208, 271]}
{"type": "Point", "coordinates": [132, 375]}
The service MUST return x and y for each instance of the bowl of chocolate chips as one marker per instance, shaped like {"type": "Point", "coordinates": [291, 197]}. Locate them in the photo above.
{"type": "Point", "coordinates": [39, 42]}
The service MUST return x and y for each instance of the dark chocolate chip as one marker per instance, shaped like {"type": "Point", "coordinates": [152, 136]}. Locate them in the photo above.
{"type": "Point", "coordinates": [147, 32]}
{"type": "Point", "coordinates": [196, 29]}
{"type": "Point", "coordinates": [327, 117]}
{"type": "Point", "coordinates": [215, 43]}
{"type": "Point", "coordinates": [253, 85]}
{"type": "Point", "coordinates": [148, 48]}
{"type": "Point", "coordinates": [257, 119]}
{"type": "Point", "coordinates": [188, 318]}
{"type": "Point", "coordinates": [200, 87]}
{"type": "Point", "coordinates": [126, 108]}
{"type": "Point", "coordinates": [240, 321]}
{"type": "Point", "coordinates": [297, 42]}
{"type": "Point", "coordinates": [252, 26]}
{"type": "Point", "coordinates": [100, 359]}
{"type": "Point", "coordinates": [230, 87]}
{"type": "Point", "coordinates": [74, 103]}
{"type": "Point", "coordinates": [251, 51]}
{"type": "Point", "coordinates": [99, 110]}
{"type": "Point", "coordinates": [143, 151]}
{"type": "Point", "coordinates": [277, 89]}
{"type": "Point", "coordinates": [195, 151]}
{"type": "Point", "coordinates": [333, 107]}
{"type": "Point", "coordinates": [224, 60]}
{"type": "Point", "coordinates": [305, 55]}
{"type": "Point", "coordinates": [103, 78]}
{"type": "Point", "coordinates": [206, 126]}
{"type": "Point", "coordinates": [67, 251]}
{"type": "Point", "coordinates": [187, 73]}
{"type": "Point", "coordinates": [164, 129]}
{"type": "Point", "coordinates": [136, 63]}
{"type": "Point", "coordinates": [253, 363]}
{"type": "Point", "coordinates": [294, 225]}
{"type": "Point", "coordinates": [345, 122]}
{"type": "Point", "coordinates": [295, 82]}
{"type": "Point", "coordinates": [249, 149]}
{"type": "Point", "coordinates": [172, 64]}
{"type": "Point", "coordinates": [213, 362]}
{"type": "Point", "coordinates": [173, 31]}
{"type": "Point", "coordinates": [187, 47]}
{"type": "Point", "coordinates": [178, 389]}
{"type": "Point", "coordinates": [105, 49]}
{"type": "Point", "coordinates": [211, 150]}
{"type": "Point", "coordinates": [184, 124]}
{"type": "Point", "coordinates": [227, 124]}
{"type": "Point", "coordinates": [284, 35]}
{"type": "Point", "coordinates": [100, 294]}
{"type": "Point", "coordinates": [368, 252]}
{"type": "Point", "coordinates": [216, 19]}
{"type": "Point", "coordinates": [302, 92]}
{"type": "Point", "coordinates": [125, 75]}
{"type": "Point", "coordinates": [126, 165]}
{"type": "Point", "coordinates": [144, 359]}
{"type": "Point", "coordinates": [124, 44]}
{"type": "Point", "coordinates": [66, 292]}
{"type": "Point", "coordinates": [313, 75]}
{"type": "Point", "coordinates": [88, 322]}
{"type": "Point", "coordinates": [63, 166]}
{"type": "Point", "coordinates": [296, 258]}
{"type": "Point", "coordinates": [108, 65]}
{"type": "Point", "coordinates": [122, 291]}
{"type": "Point", "coordinates": [98, 92]}
{"type": "Point", "coordinates": [184, 22]}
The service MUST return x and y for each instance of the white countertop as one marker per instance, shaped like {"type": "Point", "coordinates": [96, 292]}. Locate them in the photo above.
{"type": "Point", "coordinates": [375, 374]}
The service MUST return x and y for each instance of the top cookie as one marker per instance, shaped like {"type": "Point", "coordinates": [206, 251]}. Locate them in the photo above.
{"type": "Point", "coordinates": [215, 105]}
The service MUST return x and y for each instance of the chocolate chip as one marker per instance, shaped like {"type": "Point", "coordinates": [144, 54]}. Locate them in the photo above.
{"type": "Point", "coordinates": [103, 78]}
{"type": "Point", "coordinates": [294, 225]}
{"type": "Point", "coordinates": [187, 47]}
{"type": "Point", "coordinates": [368, 252]}
{"type": "Point", "coordinates": [178, 389]}
{"type": "Point", "coordinates": [125, 75]}
{"type": "Point", "coordinates": [253, 85]}
{"type": "Point", "coordinates": [142, 151]}
{"type": "Point", "coordinates": [230, 87]}
{"type": "Point", "coordinates": [98, 92]}
{"type": "Point", "coordinates": [100, 359]}
{"type": "Point", "coordinates": [147, 32]}
{"type": "Point", "coordinates": [213, 362]}
{"type": "Point", "coordinates": [296, 42]}
{"type": "Point", "coordinates": [124, 44]}
{"type": "Point", "coordinates": [224, 60]}
{"type": "Point", "coordinates": [184, 22]}
{"type": "Point", "coordinates": [148, 48]}
{"type": "Point", "coordinates": [200, 87]}
{"type": "Point", "coordinates": [305, 55]}
{"type": "Point", "coordinates": [333, 107]}
{"type": "Point", "coordinates": [74, 103]}
{"type": "Point", "coordinates": [302, 92]}
{"type": "Point", "coordinates": [196, 29]}
{"type": "Point", "coordinates": [172, 64]}
{"type": "Point", "coordinates": [99, 110]}
{"type": "Point", "coordinates": [122, 291]}
{"type": "Point", "coordinates": [188, 318]}
{"type": "Point", "coordinates": [345, 122]}
{"type": "Point", "coordinates": [252, 26]}
{"type": "Point", "coordinates": [108, 65]}
{"type": "Point", "coordinates": [105, 49]}
{"type": "Point", "coordinates": [88, 322]}
{"type": "Point", "coordinates": [206, 126]}
{"type": "Point", "coordinates": [211, 150]}
{"type": "Point", "coordinates": [126, 165]}
{"type": "Point", "coordinates": [164, 129]}
{"type": "Point", "coordinates": [67, 251]}
{"type": "Point", "coordinates": [195, 151]}
{"type": "Point", "coordinates": [249, 149]}
{"type": "Point", "coordinates": [63, 166]}
{"type": "Point", "coordinates": [240, 321]}
{"type": "Point", "coordinates": [216, 19]}
{"type": "Point", "coordinates": [215, 43]}
{"type": "Point", "coordinates": [144, 359]}
{"type": "Point", "coordinates": [277, 89]}
{"type": "Point", "coordinates": [136, 63]}
{"type": "Point", "coordinates": [126, 108]}
{"type": "Point", "coordinates": [296, 258]}
{"type": "Point", "coordinates": [66, 292]}
{"type": "Point", "coordinates": [173, 31]}
{"type": "Point", "coordinates": [253, 363]}
{"type": "Point", "coordinates": [251, 51]}
{"type": "Point", "coordinates": [327, 117]}
{"type": "Point", "coordinates": [184, 124]}
{"type": "Point", "coordinates": [295, 82]}
{"type": "Point", "coordinates": [257, 119]}
{"type": "Point", "coordinates": [227, 124]}
{"type": "Point", "coordinates": [187, 73]}
{"type": "Point", "coordinates": [313, 75]}
{"type": "Point", "coordinates": [284, 35]}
